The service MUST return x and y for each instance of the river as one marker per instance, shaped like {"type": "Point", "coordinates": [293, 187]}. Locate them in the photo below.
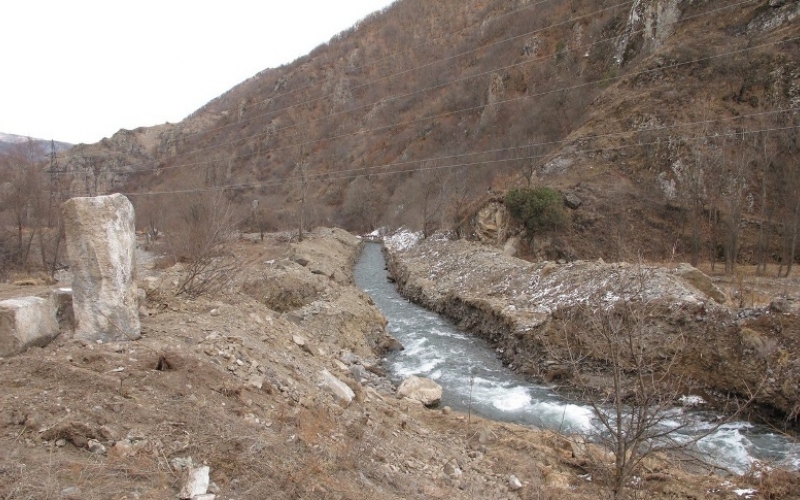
{"type": "Point", "coordinates": [474, 379]}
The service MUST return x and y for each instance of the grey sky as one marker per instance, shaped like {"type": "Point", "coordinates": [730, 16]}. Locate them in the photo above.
{"type": "Point", "coordinates": [80, 70]}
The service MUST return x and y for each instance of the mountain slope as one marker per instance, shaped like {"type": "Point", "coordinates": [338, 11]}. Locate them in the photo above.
{"type": "Point", "coordinates": [398, 121]}
{"type": "Point", "coordinates": [8, 142]}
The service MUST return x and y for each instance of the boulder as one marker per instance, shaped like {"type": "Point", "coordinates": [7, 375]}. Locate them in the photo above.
{"type": "Point", "coordinates": [572, 201]}
{"type": "Point", "coordinates": [26, 322]}
{"type": "Point", "coordinates": [196, 484]}
{"type": "Point", "coordinates": [338, 388]}
{"type": "Point", "coordinates": [700, 281]}
{"type": "Point", "coordinates": [420, 389]}
{"type": "Point", "coordinates": [100, 246]}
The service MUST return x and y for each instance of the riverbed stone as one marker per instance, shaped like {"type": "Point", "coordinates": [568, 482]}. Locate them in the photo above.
{"type": "Point", "coordinates": [100, 246]}
{"type": "Point", "coordinates": [339, 389]}
{"type": "Point", "coordinates": [26, 322]}
{"type": "Point", "coordinates": [421, 389]}
{"type": "Point", "coordinates": [700, 281]}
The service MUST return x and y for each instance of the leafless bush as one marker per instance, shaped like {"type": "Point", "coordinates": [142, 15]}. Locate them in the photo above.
{"type": "Point", "coordinates": [197, 229]}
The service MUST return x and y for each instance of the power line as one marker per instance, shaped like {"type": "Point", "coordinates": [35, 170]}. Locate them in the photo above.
{"type": "Point", "coordinates": [474, 108]}
{"type": "Point", "coordinates": [404, 51]}
{"type": "Point", "coordinates": [128, 168]}
{"type": "Point", "coordinates": [449, 58]}
{"type": "Point", "coordinates": [332, 176]}
{"type": "Point", "coordinates": [367, 170]}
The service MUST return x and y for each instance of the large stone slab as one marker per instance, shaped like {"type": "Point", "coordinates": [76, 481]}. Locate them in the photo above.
{"type": "Point", "coordinates": [26, 322]}
{"type": "Point", "coordinates": [422, 389]}
{"type": "Point", "coordinates": [339, 389]}
{"type": "Point", "coordinates": [100, 245]}
{"type": "Point", "coordinates": [701, 281]}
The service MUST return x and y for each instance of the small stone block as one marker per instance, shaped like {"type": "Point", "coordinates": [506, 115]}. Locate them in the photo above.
{"type": "Point", "coordinates": [26, 322]}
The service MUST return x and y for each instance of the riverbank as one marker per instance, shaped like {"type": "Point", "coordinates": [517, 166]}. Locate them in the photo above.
{"type": "Point", "coordinates": [244, 382]}
{"type": "Point", "coordinates": [540, 315]}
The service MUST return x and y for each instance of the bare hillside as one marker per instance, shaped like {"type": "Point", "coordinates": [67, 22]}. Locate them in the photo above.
{"type": "Point", "coordinates": [670, 120]}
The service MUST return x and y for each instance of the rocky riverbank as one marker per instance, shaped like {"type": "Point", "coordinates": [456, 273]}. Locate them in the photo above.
{"type": "Point", "coordinates": [540, 315]}
{"type": "Point", "coordinates": [273, 388]}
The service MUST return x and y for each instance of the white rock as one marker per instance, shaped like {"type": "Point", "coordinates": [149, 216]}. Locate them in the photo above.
{"type": "Point", "coordinates": [26, 322]}
{"type": "Point", "coordinates": [70, 492]}
{"type": "Point", "coordinates": [96, 447]}
{"type": "Point", "coordinates": [421, 389]}
{"type": "Point", "coordinates": [196, 484]}
{"type": "Point", "coordinates": [514, 483]}
{"type": "Point", "coordinates": [256, 381]}
{"type": "Point", "coordinates": [100, 245]}
{"type": "Point", "coordinates": [151, 283]}
{"type": "Point", "coordinates": [452, 470]}
{"type": "Point", "coordinates": [337, 387]}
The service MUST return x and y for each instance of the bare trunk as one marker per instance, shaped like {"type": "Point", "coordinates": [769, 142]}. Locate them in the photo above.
{"type": "Point", "coordinates": [793, 244]}
{"type": "Point", "coordinates": [19, 237]}
{"type": "Point", "coordinates": [26, 253]}
{"type": "Point", "coordinates": [42, 250]}
{"type": "Point", "coordinates": [761, 250]}
{"type": "Point", "coordinates": [696, 213]}
{"type": "Point", "coordinates": [56, 250]}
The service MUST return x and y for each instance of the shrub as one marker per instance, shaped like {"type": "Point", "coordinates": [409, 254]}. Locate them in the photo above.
{"type": "Point", "coordinates": [540, 209]}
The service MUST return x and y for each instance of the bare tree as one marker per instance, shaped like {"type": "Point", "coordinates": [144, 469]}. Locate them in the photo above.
{"type": "Point", "coordinates": [431, 198]}
{"type": "Point", "coordinates": [200, 225]}
{"type": "Point", "coordinates": [302, 173]}
{"type": "Point", "coordinates": [765, 157]}
{"type": "Point", "coordinates": [364, 203]}
{"type": "Point", "coordinates": [738, 160]}
{"type": "Point", "coordinates": [459, 197]}
{"type": "Point", "coordinates": [632, 408]}
{"type": "Point", "coordinates": [23, 195]}
{"type": "Point", "coordinates": [791, 210]}
{"type": "Point", "coordinates": [93, 171]}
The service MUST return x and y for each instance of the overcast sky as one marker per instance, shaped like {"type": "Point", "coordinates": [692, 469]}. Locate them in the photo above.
{"type": "Point", "coordinates": [80, 70]}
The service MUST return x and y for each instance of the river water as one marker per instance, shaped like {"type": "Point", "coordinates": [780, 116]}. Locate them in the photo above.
{"type": "Point", "coordinates": [473, 378]}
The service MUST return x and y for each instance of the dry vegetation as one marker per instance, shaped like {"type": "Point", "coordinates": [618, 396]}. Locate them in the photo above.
{"type": "Point", "coordinates": [221, 381]}
{"type": "Point", "coordinates": [648, 112]}
{"type": "Point", "coordinates": [397, 122]}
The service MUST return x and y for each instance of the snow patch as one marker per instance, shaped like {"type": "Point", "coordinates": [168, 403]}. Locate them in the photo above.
{"type": "Point", "coordinates": [402, 240]}
{"type": "Point", "coordinates": [691, 401]}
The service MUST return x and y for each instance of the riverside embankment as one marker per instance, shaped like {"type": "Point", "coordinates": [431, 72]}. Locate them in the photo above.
{"type": "Point", "coordinates": [538, 316]}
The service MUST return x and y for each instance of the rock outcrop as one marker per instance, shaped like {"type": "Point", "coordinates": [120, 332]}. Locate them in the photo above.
{"type": "Point", "coordinates": [100, 245]}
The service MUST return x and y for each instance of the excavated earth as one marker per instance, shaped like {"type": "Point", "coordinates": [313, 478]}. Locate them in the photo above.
{"type": "Point", "coordinates": [542, 316]}
{"type": "Point", "coordinates": [245, 382]}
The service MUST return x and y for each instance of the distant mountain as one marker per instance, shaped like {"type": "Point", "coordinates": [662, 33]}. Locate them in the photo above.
{"type": "Point", "coordinates": [7, 141]}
